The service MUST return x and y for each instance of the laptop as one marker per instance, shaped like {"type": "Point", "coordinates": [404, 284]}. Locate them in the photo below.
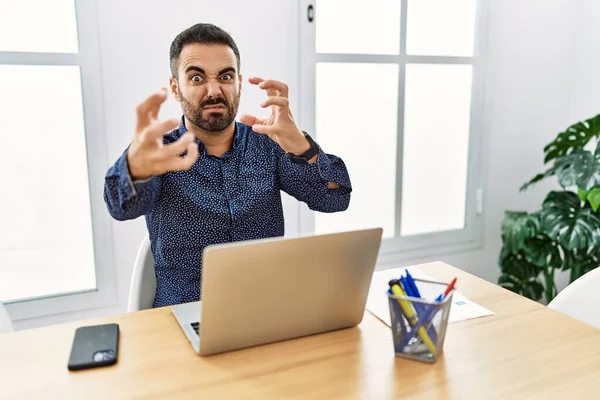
{"type": "Point", "coordinates": [269, 290]}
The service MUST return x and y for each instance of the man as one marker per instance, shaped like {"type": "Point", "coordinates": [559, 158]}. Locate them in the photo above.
{"type": "Point", "coordinates": [211, 179]}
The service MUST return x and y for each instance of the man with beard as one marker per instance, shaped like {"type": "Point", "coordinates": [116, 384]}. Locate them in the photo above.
{"type": "Point", "coordinates": [207, 179]}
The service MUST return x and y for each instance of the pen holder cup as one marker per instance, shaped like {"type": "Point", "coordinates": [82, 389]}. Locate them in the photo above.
{"type": "Point", "coordinates": [419, 325]}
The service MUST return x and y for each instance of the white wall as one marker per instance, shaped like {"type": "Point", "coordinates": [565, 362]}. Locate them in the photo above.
{"type": "Point", "coordinates": [541, 77]}
{"type": "Point", "coordinates": [586, 62]}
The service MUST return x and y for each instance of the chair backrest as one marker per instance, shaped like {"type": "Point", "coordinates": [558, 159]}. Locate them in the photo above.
{"type": "Point", "coordinates": [142, 288]}
{"type": "Point", "coordinates": [6, 324]}
{"type": "Point", "coordinates": [581, 299]}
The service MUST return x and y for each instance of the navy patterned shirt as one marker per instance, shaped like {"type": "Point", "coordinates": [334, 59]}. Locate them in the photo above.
{"type": "Point", "coordinates": [233, 198]}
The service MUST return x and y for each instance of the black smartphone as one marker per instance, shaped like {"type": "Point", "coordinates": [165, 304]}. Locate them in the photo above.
{"type": "Point", "coordinates": [94, 346]}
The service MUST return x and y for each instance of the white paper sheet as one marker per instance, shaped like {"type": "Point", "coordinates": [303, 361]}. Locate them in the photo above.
{"type": "Point", "coordinates": [377, 302]}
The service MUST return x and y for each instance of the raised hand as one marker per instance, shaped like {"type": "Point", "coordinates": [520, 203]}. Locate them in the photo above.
{"type": "Point", "coordinates": [148, 156]}
{"type": "Point", "coordinates": [280, 126]}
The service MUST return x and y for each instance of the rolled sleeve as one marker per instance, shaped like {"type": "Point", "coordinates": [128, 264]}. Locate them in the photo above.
{"type": "Point", "coordinates": [329, 168]}
{"type": "Point", "coordinates": [309, 183]}
{"type": "Point", "coordinates": [125, 198]}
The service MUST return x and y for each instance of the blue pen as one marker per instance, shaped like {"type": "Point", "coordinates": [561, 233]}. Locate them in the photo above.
{"type": "Point", "coordinates": [412, 283]}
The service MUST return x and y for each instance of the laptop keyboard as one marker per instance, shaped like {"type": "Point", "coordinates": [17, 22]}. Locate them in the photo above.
{"type": "Point", "coordinates": [196, 326]}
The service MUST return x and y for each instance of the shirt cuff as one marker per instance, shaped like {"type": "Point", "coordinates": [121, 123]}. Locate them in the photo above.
{"type": "Point", "coordinates": [328, 168]}
{"type": "Point", "coordinates": [129, 187]}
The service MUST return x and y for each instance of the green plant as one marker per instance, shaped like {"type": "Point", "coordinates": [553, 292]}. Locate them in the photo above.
{"type": "Point", "coordinates": [565, 234]}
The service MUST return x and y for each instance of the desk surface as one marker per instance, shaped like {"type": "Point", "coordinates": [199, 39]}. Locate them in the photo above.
{"type": "Point", "coordinates": [525, 350]}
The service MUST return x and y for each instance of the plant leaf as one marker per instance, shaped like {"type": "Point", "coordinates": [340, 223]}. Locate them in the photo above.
{"type": "Point", "coordinates": [520, 276]}
{"type": "Point", "coordinates": [567, 222]}
{"type": "Point", "coordinates": [570, 259]}
{"type": "Point", "coordinates": [591, 262]}
{"type": "Point", "coordinates": [597, 151]}
{"type": "Point", "coordinates": [518, 226]}
{"type": "Point", "coordinates": [542, 252]}
{"type": "Point", "coordinates": [582, 194]}
{"type": "Point", "coordinates": [594, 198]}
{"type": "Point", "coordinates": [579, 168]}
{"type": "Point", "coordinates": [581, 262]}
{"type": "Point", "coordinates": [575, 137]}
{"type": "Point", "coordinates": [537, 178]}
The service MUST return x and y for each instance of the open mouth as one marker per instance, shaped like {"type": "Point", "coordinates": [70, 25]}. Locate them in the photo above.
{"type": "Point", "coordinates": [216, 107]}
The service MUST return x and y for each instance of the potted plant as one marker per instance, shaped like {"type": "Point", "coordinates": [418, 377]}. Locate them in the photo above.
{"type": "Point", "coordinates": [564, 235]}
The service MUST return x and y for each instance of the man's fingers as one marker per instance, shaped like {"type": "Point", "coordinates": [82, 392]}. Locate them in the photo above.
{"type": "Point", "coordinates": [184, 163]}
{"type": "Point", "coordinates": [179, 146]}
{"type": "Point", "coordinates": [276, 101]}
{"type": "Point", "coordinates": [251, 120]}
{"type": "Point", "coordinates": [162, 128]}
{"type": "Point", "coordinates": [255, 80]}
{"type": "Point", "coordinates": [280, 87]}
{"type": "Point", "coordinates": [273, 88]}
{"type": "Point", "coordinates": [149, 108]}
{"type": "Point", "coordinates": [264, 129]}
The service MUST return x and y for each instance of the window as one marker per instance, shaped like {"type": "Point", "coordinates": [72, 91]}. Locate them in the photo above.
{"type": "Point", "coordinates": [51, 124]}
{"type": "Point", "coordinates": [394, 88]}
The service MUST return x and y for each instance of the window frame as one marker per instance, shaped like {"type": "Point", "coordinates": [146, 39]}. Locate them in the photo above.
{"type": "Point", "coordinates": [88, 59]}
{"type": "Point", "coordinates": [427, 244]}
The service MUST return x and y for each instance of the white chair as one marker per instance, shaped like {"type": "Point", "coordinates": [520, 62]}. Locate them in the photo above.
{"type": "Point", "coordinates": [581, 299]}
{"type": "Point", "coordinates": [6, 324]}
{"type": "Point", "coordinates": [142, 288]}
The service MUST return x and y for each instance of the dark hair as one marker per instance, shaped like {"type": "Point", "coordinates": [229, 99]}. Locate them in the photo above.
{"type": "Point", "coordinates": [204, 34]}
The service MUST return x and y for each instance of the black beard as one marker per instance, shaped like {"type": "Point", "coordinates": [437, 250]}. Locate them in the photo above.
{"type": "Point", "coordinates": [215, 122]}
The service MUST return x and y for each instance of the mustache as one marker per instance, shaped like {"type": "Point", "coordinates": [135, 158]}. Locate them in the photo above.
{"type": "Point", "coordinates": [214, 102]}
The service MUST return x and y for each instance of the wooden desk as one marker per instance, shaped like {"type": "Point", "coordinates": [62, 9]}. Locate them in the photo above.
{"type": "Point", "coordinates": [524, 351]}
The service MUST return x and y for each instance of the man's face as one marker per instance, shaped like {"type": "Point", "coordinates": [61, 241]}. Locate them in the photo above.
{"type": "Point", "coordinates": [208, 86]}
